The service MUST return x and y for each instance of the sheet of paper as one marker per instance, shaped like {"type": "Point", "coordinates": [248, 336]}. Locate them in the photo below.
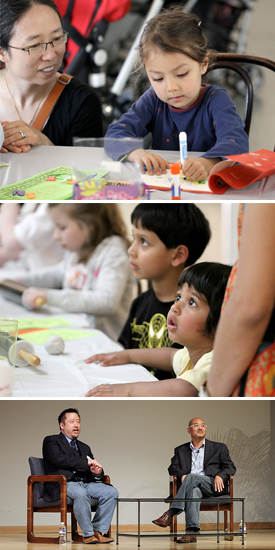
{"type": "Point", "coordinates": [26, 323]}
{"type": "Point", "coordinates": [163, 183]}
{"type": "Point", "coordinates": [40, 336]}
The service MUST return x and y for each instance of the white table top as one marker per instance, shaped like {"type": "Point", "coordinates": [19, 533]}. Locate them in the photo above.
{"type": "Point", "coordinates": [67, 375]}
{"type": "Point", "coordinates": [42, 158]}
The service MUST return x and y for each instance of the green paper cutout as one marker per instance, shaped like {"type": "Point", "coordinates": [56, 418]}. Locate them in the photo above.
{"type": "Point", "coordinates": [45, 322]}
{"type": "Point", "coordinates": [41, 336]}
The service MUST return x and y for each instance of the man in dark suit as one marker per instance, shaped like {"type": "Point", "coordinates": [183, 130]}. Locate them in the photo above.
{"type": "Point", "coordinates": [64, 454]}
{"type": "Point", "coordinates": [202, 467]}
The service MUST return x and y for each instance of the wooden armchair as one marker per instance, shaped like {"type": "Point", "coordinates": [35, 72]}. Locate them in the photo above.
{"type": "Point", "coordinates": [225, 505]}
{"type": "Point", "coordinates": [36, 503]}
{"type": "Point", "coordinates": [242, 65]}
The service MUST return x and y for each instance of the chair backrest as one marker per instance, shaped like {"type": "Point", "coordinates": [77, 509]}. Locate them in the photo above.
{"type": "Point", "coordinates": [37, 469]}
{"type": "Point", "coordinates": [241, 64]}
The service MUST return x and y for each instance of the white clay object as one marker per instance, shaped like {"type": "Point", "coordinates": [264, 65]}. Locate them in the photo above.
{"type": "Point", "coordinates": [55, 345]}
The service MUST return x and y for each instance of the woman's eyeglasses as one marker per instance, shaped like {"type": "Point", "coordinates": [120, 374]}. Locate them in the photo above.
{"type": "Point", "coordinates": [40, 48]}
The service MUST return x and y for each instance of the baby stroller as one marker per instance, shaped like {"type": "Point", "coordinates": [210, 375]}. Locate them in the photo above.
{"type": "Point", "coordinates": [226, 24]}
{"type": "Point", "coordinates": [86, 21]}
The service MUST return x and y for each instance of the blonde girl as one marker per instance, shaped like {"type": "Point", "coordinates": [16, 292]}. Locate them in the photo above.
{"type": "Point", "coordinates": [94, 277]}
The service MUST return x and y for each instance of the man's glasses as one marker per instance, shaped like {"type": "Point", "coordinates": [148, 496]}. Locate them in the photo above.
{"type": "Point", "coordinates": [37, 49]}
{"type": "Point", "coordinates": [198, 426]}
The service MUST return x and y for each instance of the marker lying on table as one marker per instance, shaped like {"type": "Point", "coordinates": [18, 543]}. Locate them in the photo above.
{"type": "Point", "coordinates": [175, 181]}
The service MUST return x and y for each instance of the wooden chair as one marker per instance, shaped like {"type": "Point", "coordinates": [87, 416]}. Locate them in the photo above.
{"type": "Point", "coordinates": [240, 64]}
{"type": "Point", "coordinates": [225, 505]}
{"type": "Point", "coordinates": [36, 503]}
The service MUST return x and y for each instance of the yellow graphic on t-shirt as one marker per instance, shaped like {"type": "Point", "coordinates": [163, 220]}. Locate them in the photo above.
{"type": "Point", "coordinates": [153, 334]}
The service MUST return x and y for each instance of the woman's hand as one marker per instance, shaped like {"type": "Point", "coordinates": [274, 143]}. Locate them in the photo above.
{"type": "Point", "coordinates": [34, 298]}
{"type": "Point", "coordinates": [13, 139]}
{"type": "Point", "coordinates": [149, 161]}
{"type": "Point", "coordinates": [107, 359]}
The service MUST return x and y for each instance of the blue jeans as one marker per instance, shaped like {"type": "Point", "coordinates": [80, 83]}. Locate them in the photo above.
{"type": "Point", "coordinates": [82, 493]}
{"type": "Point", "coordinates": [193, 486]}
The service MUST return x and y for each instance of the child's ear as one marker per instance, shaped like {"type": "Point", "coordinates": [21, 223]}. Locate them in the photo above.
{"type": "Point", "coordinates": [204, 65]}
{"type": "Point", "coordinates": [180, 256]}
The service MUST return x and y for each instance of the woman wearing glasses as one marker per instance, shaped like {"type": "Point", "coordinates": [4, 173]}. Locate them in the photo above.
{"type": "Point", "coordinates": [32, 46]}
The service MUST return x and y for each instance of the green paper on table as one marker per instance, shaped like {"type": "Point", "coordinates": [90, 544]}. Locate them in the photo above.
{"type": "Point", "coordinates": [40, 336]}
{"type": "Point", "coordinates": [27, 323]}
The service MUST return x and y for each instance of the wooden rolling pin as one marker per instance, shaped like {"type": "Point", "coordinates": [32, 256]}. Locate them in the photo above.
{"type": "Point", "coordinates": [32, 359]}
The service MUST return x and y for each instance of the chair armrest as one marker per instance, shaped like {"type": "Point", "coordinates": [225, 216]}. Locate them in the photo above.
{"type": "Point", "coordinates": [106, 479]}
{"type": "Point", "coordinates": [231, 485]}
{"type": "Point", "coordinates": [61, 479]}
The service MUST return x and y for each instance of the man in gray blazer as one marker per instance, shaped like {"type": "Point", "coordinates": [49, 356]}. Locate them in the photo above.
{"type": "Point", "coordinates": [64, 454]}
{"type": "Point", "coordinates": [202, 467]}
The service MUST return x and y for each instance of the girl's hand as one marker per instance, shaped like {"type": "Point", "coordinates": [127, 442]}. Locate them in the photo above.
{"type": "Point", "coordinates": [34, 298]}
{"type": "Point", "coordinates": [153, 163]}
{"type": "Point", "coordinates": [107, 359]}
{"type": "Point", "coordinates": [109, 390]}
{"type": "Point", "coordinates": [195, 169]}
{"type": "Point", "coordinates": [15, 143]}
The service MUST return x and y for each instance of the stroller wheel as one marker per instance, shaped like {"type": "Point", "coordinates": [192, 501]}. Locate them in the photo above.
{"type": "Point", "coordinates": [256, 76]}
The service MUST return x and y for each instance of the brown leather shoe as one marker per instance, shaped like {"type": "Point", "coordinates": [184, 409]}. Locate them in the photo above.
{"type": "Point", "coordinates": [186, 539]}
{"type": "Point", "coordinates": [164, 520]}
{"type": "Point", "coordinates": [102, 539]}
{"type": "Point", "coordinates": [90, 540]}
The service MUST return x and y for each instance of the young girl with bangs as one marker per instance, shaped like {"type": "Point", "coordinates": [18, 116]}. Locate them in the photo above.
{"type": "Point", "coordinates": [175, 54]}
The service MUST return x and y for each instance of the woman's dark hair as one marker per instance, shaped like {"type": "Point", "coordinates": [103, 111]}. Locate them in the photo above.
{"type": "Point", "coordinates": [208, 279]}
{"type": "Point", "coordinates": [172, 31]}
{"type": "Point", "coordinates": [11, 11]}
{"type": "Point", "coordinates": [175, 224]}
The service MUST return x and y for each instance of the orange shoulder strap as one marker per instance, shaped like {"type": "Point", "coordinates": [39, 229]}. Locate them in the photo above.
{"type": "Point", "coordinates": [51, 100]}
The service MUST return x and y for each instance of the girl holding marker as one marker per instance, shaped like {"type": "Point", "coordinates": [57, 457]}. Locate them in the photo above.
{"type": "Point", "coordinates": [174, 52]}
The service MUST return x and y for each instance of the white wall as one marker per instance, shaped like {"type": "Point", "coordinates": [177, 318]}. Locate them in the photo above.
{"type": "Point", "coordinates": [135, 440]}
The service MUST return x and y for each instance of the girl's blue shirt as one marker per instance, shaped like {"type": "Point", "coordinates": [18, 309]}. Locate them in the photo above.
{"type": "Point", "coordinates": [212, 125]}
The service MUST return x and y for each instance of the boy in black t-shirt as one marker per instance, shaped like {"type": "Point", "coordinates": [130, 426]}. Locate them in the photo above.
{"type": "Point", "coordinates": [166, 239]}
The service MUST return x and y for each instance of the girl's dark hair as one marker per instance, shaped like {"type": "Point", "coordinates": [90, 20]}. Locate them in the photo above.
{"type": "Point", "coordinates": [11, 11]}
{"type": "Point", "coordinates": [208, 279]}
{"type": "Point", "coordinates": [175, 224]}
{"type": "Point", "coordinates": [172, 30]}
{"type": "Point", "coordinates": [104, 219]}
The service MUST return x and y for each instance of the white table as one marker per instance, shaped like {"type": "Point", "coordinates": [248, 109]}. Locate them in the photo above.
{"type": "Point", "coordinates": [67, 375]}
{"type": "Point", "coordinates": [42, 158]}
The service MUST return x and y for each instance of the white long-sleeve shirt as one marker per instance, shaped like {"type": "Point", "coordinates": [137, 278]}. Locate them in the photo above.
{"type": "Point", "coordinates": [101, 288]}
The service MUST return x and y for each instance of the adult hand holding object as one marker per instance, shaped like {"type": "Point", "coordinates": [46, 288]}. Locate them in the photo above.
{"type": "Point", "coordinates": [24, 354]}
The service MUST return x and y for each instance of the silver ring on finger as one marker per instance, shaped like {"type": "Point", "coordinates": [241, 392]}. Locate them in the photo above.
{"type": "Point", "coordinates": [23, 135]}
